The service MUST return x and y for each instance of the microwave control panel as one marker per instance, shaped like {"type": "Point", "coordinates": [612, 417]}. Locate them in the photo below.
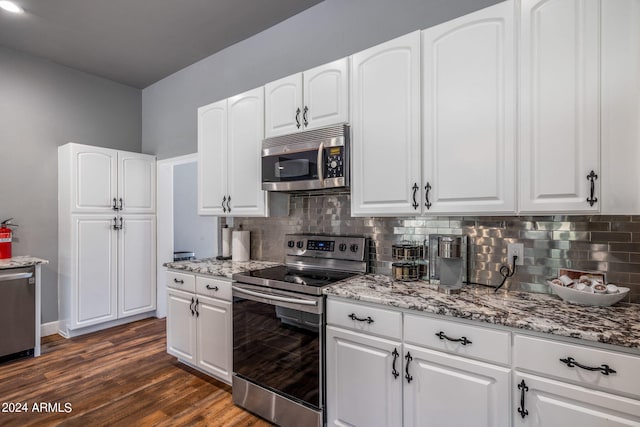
{"type": "Point", "coordinates": [334, 164]}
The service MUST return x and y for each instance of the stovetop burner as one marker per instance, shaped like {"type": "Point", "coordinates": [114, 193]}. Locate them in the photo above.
{"type": "Point", "coordinates": [299, 277]}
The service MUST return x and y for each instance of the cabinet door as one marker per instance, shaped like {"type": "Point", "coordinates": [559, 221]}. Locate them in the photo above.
{"type": "Point", "coordinates": [137, 182]}
{"type": "Point", "coordinates": [385, 96]}
{"type": "Point", "coordinates": [283, 106]}
{"type": "Point", "coordinates": [559, 105]}
{"type": "Point", "coordinates": [326, 95]}
{"type": "Point", "coordinates": [94, 296]}
{"type": "Point", "coordinates": [361, 387]}
{"type": "Point", "coordinates": [448, 391]}
{"type": "Point", "coordinates": [136, 265]}
{"type": "Point", "coordinates": [181, 325]}
{"type": "Point", "coordinates": [551, 403]}
{"type": "Point", "coordinates": [212, 158]}
{"type": "Point", "coordinates": [620, 107]}
{"type": "Point", "coordinates": [93, 178]}
{"type": "Point", "coordinates": [214, 351]}
{"type": "Point", "coordinates": [469, 113]}
{"type": "Point", "coordinates": [246, 131]}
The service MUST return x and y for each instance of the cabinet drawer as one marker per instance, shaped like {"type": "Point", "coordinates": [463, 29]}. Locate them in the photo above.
{"type": "Point", "coordinates": [373, 320]}
{"type": "Point", "coordinates": [215, 288]}
{"type": "Point", "coordinates": [184, 282]}
{"type": "Point", "coordinates": [543, 357]}
{"type": "Point", "coordinates": [476, 342]}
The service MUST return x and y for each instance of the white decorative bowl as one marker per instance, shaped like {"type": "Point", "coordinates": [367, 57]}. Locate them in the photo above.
{"type": "Point", "coordinates": [575, 296]}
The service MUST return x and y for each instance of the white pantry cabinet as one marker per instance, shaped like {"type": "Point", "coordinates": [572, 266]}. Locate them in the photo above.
{"type": "Point", "coordinates": [559, 126]}
{"type": "Point", "coordinates": [106, 180]}
{"type": "Point", "coordinates": [106, 243]}
{"type": "Point", "coordinates": [469, 113]}
{"type": "Point", "coordinates": [230, 134]}
{"type": "Point", "coordinates": [315, 98]}
{"type": "Point", "coordinates": [199, 323]}
{"type": "Point", "coordinates": [385, 120]}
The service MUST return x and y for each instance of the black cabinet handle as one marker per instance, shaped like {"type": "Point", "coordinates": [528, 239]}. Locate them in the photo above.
{"type": "Point", "coordinates": [353, 316]}
{"type": "Point", "coordinates": [592, 178]}
{"type": "Point", "coordinates": [196, 308]}
{"type": "Point", "coordinates": [407, 375]}
{"type": "Point", "coordinates": [191, 306]}
{"type": "Point", "coordinates": [304, 116]}
{"type": "Point", "coordinates": [604, 369]}
{"type": "Point", "coordinates": [120, 207]}
{"type": "Point", "coordinates": [415, 190]}
{"type": "Point", "coordinates": [462, 340]}
{"type": "Point", "coordinates": [224, 199]}
{"type": "Point", "coordinates": [427, 189]}
{"type": "Point", "coordinates": [395, 355]}
{"type": "Point", "coordinates": [115, 223]}
{"type": "Point", "coordinates": [229, 203]}
{"type": "Point", "coordinates": [121, 226]}
{"type": "Point", "coordinates": [214, 288]}
{"type": "Point", "coordinates": [115, 204]}
{"type": "Point", "coordinates": [178, 281]}
{"type": "Point", "coordinates": [523, 389]}
{"type": "Point", "coordinates": [298, 118]}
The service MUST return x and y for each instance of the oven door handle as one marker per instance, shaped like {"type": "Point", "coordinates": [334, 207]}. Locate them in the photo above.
{"type": "Point", "coordinates": [274, 297]}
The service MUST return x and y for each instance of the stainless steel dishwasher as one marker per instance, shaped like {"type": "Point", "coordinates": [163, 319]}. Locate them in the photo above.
{"type": "Point", "coordinates": [17, 312]}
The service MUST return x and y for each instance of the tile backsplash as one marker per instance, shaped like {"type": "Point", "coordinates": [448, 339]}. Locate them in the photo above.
{"type": "Point", "coordinates": [589, 242]}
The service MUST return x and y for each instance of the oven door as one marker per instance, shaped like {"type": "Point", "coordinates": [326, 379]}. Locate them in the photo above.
{"type": "Point", "coordinates": [277, 342]}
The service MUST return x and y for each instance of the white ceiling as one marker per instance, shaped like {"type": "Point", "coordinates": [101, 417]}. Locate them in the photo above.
{"type": "Point", "coordinates": [137, 42]}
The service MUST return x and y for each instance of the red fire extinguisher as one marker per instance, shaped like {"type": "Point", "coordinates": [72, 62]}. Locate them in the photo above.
{"type": "Point", "coordinates": [6, 236]}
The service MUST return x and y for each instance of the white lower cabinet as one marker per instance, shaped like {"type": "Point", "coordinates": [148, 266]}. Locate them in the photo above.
{"type": "Point", "coordinates": [199, 323]}
{"type": "Point", "coordinates": [386, 381]}
{"type": "Point", "coordinates": [448, 391]}
{"type": "Point", "coordinates": [362, 389]}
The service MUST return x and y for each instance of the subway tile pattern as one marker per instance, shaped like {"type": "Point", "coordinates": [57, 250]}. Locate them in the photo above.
{"type": "Point", "coordinates": [589, 242]}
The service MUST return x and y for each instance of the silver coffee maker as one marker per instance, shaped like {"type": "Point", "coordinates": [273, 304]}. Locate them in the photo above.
{"type": "Point", "coordinates": [448, 262]}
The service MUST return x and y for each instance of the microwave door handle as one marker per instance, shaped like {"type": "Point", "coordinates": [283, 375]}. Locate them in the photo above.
{"type": "Point", "coordinates": [274, 297]}
{"type": "Point", "coordinates": [320, 163]}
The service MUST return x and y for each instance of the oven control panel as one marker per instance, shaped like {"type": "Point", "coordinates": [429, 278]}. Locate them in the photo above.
{"type": "Point", "coordinates": [336, 247]}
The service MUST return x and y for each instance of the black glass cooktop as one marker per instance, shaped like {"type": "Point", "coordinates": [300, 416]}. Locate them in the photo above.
{"type": "Point", "coordinates": [315, 278]}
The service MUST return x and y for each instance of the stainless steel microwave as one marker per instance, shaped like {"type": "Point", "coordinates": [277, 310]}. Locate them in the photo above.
{"type": "Point", "coordinates": [309, 160]}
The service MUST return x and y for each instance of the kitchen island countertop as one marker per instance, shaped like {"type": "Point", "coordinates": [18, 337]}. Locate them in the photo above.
{"type": "Point", "coordinates": [618, 325]}
{"type": "Point", "coordinates": [214, 267]}
{"type": "Point", "coordinates": [21, 261]}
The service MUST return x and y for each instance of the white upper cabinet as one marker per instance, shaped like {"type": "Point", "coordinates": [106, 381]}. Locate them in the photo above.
{"type": "Point", "coordinates": [212, 155]}
{"type": "Point", "coordinates": [469, 151]}
{"type": "Point", "coordinates": [620, 107]}
{"type": "Point", "coordinates": [244, 141]}
{"type": "Point", "coordinates": [309, 100]}
{"type": "Point", "coordinates": [230, 134]}
{"type": "Point", "coordinates": [559, 106]}
{"type": "Point", "coordinates": [103, 180]}
{"type": "Point", "coordinates": [385, 119]}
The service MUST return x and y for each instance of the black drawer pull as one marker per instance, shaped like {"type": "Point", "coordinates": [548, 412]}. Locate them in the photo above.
{"type": "Point", "coordinates": [523, 389]}
{"type": "Point", "coordinates": [407, 375]}
{"type": "Point", "coordinates": [604, 369]}
{"type": "Point", "coordinates": [214, 288]}
{"type": "Point", "coordinates": [178, 281]}
{"type": "Point", "coordinates": [463, 340]}
{"type": "Point", "coordinates": [394, 371]}
{"type": "Point", "coordinates": [353, 316]}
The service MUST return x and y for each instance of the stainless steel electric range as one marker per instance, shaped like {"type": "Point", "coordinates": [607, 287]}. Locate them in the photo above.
{"type": "Point", "coordinates": [278, 328]}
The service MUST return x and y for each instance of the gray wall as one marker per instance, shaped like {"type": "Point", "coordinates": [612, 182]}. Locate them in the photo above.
{"type": "Point", "coordinates": [42, 106]}
{"type": "Point", "coordinates": [191, 232]}
{"type": "Point", "coordinates": [328, 31]}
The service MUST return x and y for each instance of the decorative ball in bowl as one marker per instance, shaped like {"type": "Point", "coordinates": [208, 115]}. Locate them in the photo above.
{"type": "Point", "coordinates": [588, 297]}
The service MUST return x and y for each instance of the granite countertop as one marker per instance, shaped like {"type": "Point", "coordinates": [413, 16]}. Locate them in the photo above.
{"type": "Point", "coordinates": [21, 261]}
{"type": "Point", "coordinates": [617, 325]}
{"type": "Point", "coordinates": [214, 267]}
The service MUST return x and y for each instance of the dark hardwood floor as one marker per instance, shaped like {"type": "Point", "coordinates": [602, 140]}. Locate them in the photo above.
{"type": "Point", "coordinates": [117, 377]}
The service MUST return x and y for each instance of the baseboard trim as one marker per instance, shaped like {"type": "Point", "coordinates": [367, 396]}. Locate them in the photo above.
{"type": "Point", "coordinates": [50, 328]}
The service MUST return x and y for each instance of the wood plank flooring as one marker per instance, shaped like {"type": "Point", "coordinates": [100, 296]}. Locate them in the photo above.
{"type": "Point", "coordinates": [117, 377]}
